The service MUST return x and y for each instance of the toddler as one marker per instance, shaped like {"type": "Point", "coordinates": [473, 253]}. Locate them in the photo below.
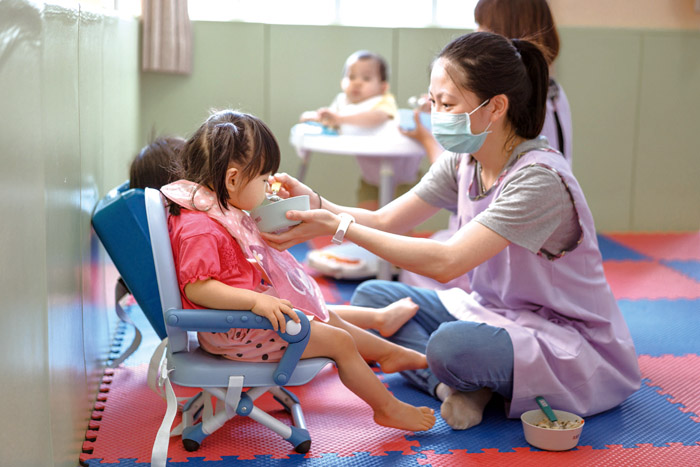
{"type": "Point", "coordinates": [225, 167]}
{"type": "Point", "coordinates": [154, 165]}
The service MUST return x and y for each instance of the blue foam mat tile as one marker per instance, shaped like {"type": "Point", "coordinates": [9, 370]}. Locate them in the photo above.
{"type": "Point", "coordinates": [690, 268]}
{"type": "Point", "coordinates": [660, 327]}
{"type": "Point", "coordinates": [646, 417]}
{"type": "Point", "coordinates": [612, 250]}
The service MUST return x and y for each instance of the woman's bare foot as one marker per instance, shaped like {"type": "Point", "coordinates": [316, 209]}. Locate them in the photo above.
{"type": "Point", "coordinates": [393, 316]}
{"type": "Point", "coordinates": [405, 417]}
{"type": "Point", "coordinates": [400, 358]}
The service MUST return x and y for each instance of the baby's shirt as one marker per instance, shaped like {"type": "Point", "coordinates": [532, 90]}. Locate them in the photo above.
{"type": "Point", "coordinates": [203, 249]}
{"type": "Point", "coordinates": [384, 102]}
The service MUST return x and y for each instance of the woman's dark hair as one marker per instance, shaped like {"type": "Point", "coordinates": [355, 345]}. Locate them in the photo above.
{"type": "Point", "coordinates": [226, 137]}
{"type": "Point", "coordinates": [520, 19]}
{"type": "Point", "coordinates": [367, 55]}
{"type": "Point", "coordinates": [488, 64]}
{"type": "Point", "coordinates": [155, 165]}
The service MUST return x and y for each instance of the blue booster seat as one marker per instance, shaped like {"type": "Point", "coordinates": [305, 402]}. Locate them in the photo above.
{"type": "Point", "coordinates": [132, 226]}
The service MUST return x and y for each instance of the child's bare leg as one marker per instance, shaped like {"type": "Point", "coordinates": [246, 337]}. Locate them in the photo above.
{"type": "Point", "coordinates": [391, 357]}
{"type": "Point", "coordinates": [386, 320]}
{"type": "Point", "coordinates": [338, 344]}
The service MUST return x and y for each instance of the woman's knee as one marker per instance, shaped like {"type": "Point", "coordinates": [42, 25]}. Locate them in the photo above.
{"type": "Point", "coordinates": [373, 294]}
{"type": "Point", "coordinates": [463, 352]}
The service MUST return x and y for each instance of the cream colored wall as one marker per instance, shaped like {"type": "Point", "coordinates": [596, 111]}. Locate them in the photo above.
{"type": "Point", "coordinates": [634, 95]}
{"type": "Point", "coordinates": [655, 14]}
{"type": "Point", "coordinates": [68, 92]}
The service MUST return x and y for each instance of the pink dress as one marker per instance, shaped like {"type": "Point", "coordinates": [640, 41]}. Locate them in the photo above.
{"type": "Point", "coordinates": [203, 249]}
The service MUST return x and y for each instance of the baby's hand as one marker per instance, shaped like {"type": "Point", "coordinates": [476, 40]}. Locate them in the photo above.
{"type": "Point", "coordinates": [328, 117]}
{"type": "Point", "coordinates": [309, 116]}
{"type": "Point", "coordinates": [274, 309]}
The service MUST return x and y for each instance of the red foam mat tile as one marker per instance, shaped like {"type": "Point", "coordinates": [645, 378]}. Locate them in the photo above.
{"type": "Point", "coordinates": [636, 280]}
{"type": "Point", "coordinates": [675, 454]}
{"type": "Point", "coordinates": [662, 246]}
{"type": "Point", "coordinates": [663, 372]}
{"type": "Point", "coordinates": [338, 421]}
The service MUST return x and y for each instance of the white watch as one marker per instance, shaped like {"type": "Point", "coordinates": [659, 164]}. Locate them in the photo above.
{"type": "Point", "coordinates": [345, 221]}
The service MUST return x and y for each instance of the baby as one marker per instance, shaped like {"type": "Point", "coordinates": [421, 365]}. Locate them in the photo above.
{"type": "Point", "coordinates": [365, 100]}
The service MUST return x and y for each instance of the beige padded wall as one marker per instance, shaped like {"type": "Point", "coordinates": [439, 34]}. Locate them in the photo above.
{"type": "Point", "coordinates": [68, 87]}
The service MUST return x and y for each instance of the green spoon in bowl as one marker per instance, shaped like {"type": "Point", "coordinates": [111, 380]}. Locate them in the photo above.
{"type": "Point", "coordinates": [547, 410]}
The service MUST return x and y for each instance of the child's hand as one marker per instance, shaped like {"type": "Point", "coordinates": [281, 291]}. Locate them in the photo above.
{"type": "Point", "coordinates": [274, 309]}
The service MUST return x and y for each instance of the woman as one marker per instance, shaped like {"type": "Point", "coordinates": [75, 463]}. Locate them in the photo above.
{"type": "Point", "coordinates": [541, 319]}
{"type": "Point", "coordinates": [522, 19]}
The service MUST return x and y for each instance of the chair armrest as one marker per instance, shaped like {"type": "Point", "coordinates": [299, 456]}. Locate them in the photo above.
{"type": "Point", "coordinates": [297, 334]}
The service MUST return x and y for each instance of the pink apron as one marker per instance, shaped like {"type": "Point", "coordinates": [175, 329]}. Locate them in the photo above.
{"type": "Point", "coordinates": [284, 273]}
{"type": "Point", "coordinates": [571, 343]}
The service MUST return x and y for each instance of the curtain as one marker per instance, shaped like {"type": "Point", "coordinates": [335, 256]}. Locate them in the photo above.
{"type": "Point", "coordinates": [167, 36]}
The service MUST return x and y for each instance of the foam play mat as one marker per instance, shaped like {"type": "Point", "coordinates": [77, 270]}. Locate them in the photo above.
{"type": "Point", "coordinates": [656, 280]}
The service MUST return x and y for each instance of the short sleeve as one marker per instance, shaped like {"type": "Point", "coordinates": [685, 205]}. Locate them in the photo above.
{"type": "Point", "coordinates": [439, 186]}
{"type": "Point", "coordinates": [199, 259]}
{"type": "Point", "coordinates": [534, 210]}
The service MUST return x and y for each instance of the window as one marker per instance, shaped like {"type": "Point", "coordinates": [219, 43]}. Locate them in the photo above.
{"type": "Point", "coordinates": [371, 13]}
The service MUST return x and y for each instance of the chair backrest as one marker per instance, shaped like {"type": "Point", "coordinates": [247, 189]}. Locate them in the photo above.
{"type": "Point", "coordinates": [162, 255]}
{"type": "Point", "coordinates": [121, 225]}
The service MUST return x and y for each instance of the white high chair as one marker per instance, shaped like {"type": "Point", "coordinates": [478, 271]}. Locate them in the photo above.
{"type": "Point", "coordinates": [137, 239]}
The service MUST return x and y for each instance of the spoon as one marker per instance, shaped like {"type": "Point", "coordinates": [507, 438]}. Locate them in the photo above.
{"type": "Point", "coordinates": [547, 410]}
{"type": "Point", "coordinates": [275, 188]}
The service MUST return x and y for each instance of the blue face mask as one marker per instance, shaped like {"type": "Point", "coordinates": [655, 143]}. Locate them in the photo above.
{"type": "Point", "coordinates": [454, 131]}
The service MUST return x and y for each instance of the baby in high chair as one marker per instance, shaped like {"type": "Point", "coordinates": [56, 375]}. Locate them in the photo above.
{"type": "Point", "coordinates": [366, 107]}
{"type": "Point", "coordinates": [365, 100]}
{"type": "Point", "coordinates": [222, 262]}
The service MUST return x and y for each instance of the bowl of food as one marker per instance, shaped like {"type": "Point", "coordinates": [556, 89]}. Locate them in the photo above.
{"type": "Point", "coordinates": [542, 433]}
{"type": "Point", "coordinates": [271, 216]}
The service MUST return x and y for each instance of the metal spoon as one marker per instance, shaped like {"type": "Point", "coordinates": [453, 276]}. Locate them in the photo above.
{"type": "Point", "coordinates": [273, 197]}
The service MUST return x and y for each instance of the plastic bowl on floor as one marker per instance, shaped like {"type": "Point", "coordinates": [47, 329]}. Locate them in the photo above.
{"type": "Point", "coordinates": [271, 217]}
{"type": "Point", "coordinates": [551, 439]}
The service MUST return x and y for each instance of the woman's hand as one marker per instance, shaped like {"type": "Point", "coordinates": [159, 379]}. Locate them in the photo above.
{"type": "Point", "coordinates": [314, 223]}
{"type": "Point", "coordinates": [420, 133]}
{"type": "Point", "coordinates": [274, 309]}
{"type": "Point", "coordinates": [292, 187]}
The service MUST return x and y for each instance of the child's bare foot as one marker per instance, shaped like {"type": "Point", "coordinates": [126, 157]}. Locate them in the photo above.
{"type": "Point", "coordinates": [395, 315]}
{"type": "Point", "coordinates": [406, 417]}
{"type": "Point", "coordinates": [402, 358]}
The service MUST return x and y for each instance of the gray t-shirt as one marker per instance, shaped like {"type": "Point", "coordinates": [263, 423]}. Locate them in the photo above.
{"type": "Point", "coordinates": [534, 209]}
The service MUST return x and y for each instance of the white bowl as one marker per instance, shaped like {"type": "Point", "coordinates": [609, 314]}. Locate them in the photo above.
{"type": "Point", "coordinates": [271, 217]}
{"type": "Point", "coordinates": [551, 439]}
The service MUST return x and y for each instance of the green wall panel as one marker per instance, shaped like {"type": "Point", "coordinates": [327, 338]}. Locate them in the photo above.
{"type": "Point", "coordinates": [667, 169]}
{"type": "Point", "coordinates": [228, 71]}
{"type": "Point", "coordinates": [599, 70]}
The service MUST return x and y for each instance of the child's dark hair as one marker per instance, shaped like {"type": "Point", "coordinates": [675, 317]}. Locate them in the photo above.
{"type": "Point", "coordinates": [530, 20]}
{"type": "Point", "coordinates": [488, 64]}
{"type": "Point", "coordinates": [155, 165]}
{"type": "Point", "coordinates": [367, 55]}
{"type": "Point", "coordinates": [226, 137]}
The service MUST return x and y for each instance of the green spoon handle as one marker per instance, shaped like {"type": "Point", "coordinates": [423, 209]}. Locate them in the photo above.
{"type": "Point", "coordinates": [546, 408]}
